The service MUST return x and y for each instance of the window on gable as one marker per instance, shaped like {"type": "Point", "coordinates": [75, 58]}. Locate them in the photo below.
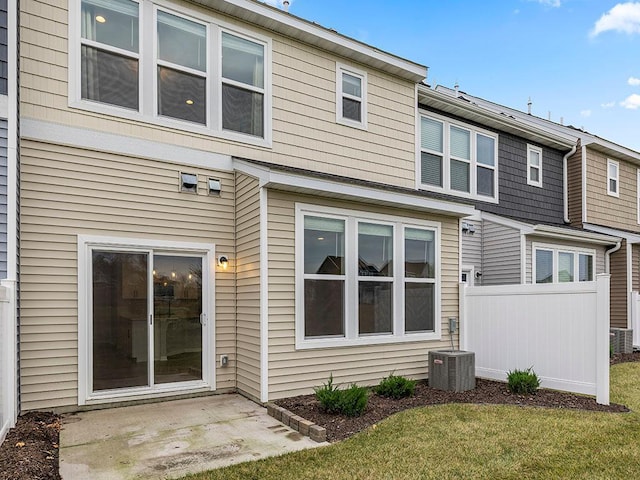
{"type": "Point", "coordinates": [457, 159]}
{"type": "Point", "coordinates": [534, 166]}
{"type": "Point", "coordinates": [110, 52]}
{"type": "Point", "coordinates": [557, 265]}
{"type": "Point", "coordinates": [613, 174]}
{"type": "Point", "coordinates": [353, 289]}
{"type": "Point", "coordinates": [200, 76]}
{"type": "Point", "coordinates": [351, 97]}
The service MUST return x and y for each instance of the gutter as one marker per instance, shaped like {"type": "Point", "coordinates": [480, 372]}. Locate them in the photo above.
{"type": "Point", "coordinates": [607, 256]}
{"type": "Point", "coordinates": [565, 185]}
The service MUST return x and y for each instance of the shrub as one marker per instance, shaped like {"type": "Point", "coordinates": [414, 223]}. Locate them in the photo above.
{"type": "Point", "coordinates": [329, 396]}
{"type": "Point", "coordinates": [524, 382]}
{"type": "Point", "coordinates": [351, 401]}
{"type": "Point", "coordinates": [396, 387]}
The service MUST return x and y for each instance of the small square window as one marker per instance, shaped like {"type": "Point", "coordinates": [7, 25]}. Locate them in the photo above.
{"type": "Point", "coordinates": [189, 182]}
{"type": "Point", "coordinates": [351, 97]}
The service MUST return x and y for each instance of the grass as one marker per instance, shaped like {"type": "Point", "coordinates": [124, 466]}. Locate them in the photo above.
{"type": "Point", "coordinates": [470, 441]}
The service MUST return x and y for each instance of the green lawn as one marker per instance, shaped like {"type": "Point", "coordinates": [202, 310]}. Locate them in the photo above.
{"type": "Point", "coordinates": [468, 441]}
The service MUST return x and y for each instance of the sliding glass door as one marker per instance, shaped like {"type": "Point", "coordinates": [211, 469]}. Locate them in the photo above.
{"type": "Point", "coordinates": [147, 317]}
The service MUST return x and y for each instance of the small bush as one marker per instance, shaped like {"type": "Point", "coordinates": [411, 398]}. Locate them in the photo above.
{"type": "Point", "coordinates": [351, 401]}
{"type": "Point", "coordinates": [354, 400]}
{"type": "Point", "coordinates": [396, 387]}
{"type": "Point", "coordinates": [523, 382]}
{"type": "Point", "coordinates": [329, 396]}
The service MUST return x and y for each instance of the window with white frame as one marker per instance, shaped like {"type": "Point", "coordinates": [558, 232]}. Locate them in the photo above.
{"type": "Point", "coordinates": [613, 178]}
{"type": "Point", "coordinates": [534, 166]}
{"type": "Point", "coordinates": [199, 74]}
{"type": "Point", "coordinates": [559, 265]}
{"type": "Point", "coordinates": [458, 159]}
{"type": "Point", "coordinates": [364, 278]}
{"type": "Point", "coordinates": [351, 97]}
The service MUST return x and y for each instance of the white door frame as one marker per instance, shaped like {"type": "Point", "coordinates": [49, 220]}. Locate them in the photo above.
{"type": "Point", "coordinates": [86, 244]}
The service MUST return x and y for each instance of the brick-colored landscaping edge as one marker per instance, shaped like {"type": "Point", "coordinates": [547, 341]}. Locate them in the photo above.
{"type": "Point", "coordinates": [305, 427]}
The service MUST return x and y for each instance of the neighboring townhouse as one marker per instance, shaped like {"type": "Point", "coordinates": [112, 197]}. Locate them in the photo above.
{"type": "Point", "coordinates": [602, 195]}
{"type": "Point", "coordinates": [9, 168]}
{"type": "Point", "coordinates": [219, 196]}
{"type": "Point", "coordinates": [514, 174]}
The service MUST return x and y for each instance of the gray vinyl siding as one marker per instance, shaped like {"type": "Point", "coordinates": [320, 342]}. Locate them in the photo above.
{"type": "Point", "coordinates": [3, 198]}
{"type": "Point", "coordinates": [501, 264]}
{"type": "Point", "coordinates": [472, 246]}
{"type": "Point", "coordinates": [3, 47]}
{"type": "Point", "coordinates": [516, 198]}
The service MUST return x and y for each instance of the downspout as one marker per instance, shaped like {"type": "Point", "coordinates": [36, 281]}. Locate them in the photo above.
{"type": "Point", "coordinates": [565, 186]}
{"type": "Point", "coordinates": [607, 256]}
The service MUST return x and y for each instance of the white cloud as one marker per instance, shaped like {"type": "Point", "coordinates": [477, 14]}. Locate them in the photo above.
{"type": "Point", "coordinates": [634, 82]}
{"type": "Point", "coordinates": [585, 113]}
{"type": "Point", "coordinates": [608, 105]}
{"type": "Point", "coordinates": [623, 18]}
{"type": "Point", "coordinates": [550, 3]}
{"type": "Point", "coordinates": [632, 102]}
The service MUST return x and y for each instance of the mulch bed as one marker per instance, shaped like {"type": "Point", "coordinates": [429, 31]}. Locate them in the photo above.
{"type": "Point", "coordinates": [30, 451]}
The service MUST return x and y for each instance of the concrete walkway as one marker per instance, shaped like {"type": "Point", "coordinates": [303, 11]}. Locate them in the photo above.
{"type": "Point", "coordinates": [171, 439]}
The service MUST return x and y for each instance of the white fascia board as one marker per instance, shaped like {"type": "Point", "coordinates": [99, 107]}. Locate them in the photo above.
{"type": "Point", "coordinates": [574, 235]}
{"type": "Point", "coordinates": [522, 227]}
{"type": "Point", "coordinates": [613, 150]}
{"type": "Point", "coordinates": [500, 121]}
{"type": "Point", "coordinates": [628, 236]}
{"type": "Point", "coordinates": [309, 32]}
{"type": "Point", "coordinates": [121, 145]}
{"type": "Point", "coordinates": [274, 179]}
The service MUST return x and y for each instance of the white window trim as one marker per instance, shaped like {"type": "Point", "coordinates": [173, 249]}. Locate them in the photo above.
{"type": "Point", "coordinates": [556, 249]}
{"type": "Point", "coordinates": [530, 181]}
{"type": "Point", "coordinates": [340, 69]}
{"type": "Point", "coordinates": [351, 338]}
{"type": "Point", "coordinates": [638, 193]}
{"type": "Point", "coordinates": [446, 160]}
{"type": "Point", "coordinates": [147, 112]}
{"type": "Point", "coordinates": [86, 244]}
{"type": "Point", "coordinates": [613, 193]}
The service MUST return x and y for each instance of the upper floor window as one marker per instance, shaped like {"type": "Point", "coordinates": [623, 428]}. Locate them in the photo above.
{"type": "Point", "coordinates": [141, 61]}
{"type": "Point", "coordinates": [458, 159]}
{"type": "Point", "coordinates": [351, 97]}
{"type": "Point", "coordinates": [613, 176]}
{"type": "Point", "coordinates": [558, 265]}
{"type": "Point", "coordinates": [534, 166]}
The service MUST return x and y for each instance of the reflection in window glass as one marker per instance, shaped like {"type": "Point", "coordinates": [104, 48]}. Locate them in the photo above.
{"type": "Point", "coordinates": [109, 78]}
{"type": "Point", "coordinates": [375, 250]}
{"type": "Point", "coordinates": [585, 268]}
{"type": "Point", "coordinates": [419, 253]}
{"type": "Point", "coordinates": [485, 181]}
{"type": "Point", "coordinates": [419, 307]}
{"type": "Point", "coordinates": [375, 307]}
{"type": "Point", "coordinates": [242, 60]}
{"type": "Point", "coordinates": [113, 23]}
{"type": "Point", "coordinates": [460, 176]}
{"type": "Point", "coordinates": [323, 246]}
{"type": "Point", "coordinates": [242, 111]}
{"type": "Point", "coordinates": [181, 95]}
{"type": "Point", "coordinates": [182, 42]}
{"type": "Point", "coordinates": [565, 267]}
{"type": "Point", "coordinates": [544, 266]}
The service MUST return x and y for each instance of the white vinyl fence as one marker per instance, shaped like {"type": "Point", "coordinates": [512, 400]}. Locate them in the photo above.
{"type": "Point", "coordinates": [561, 330]}
{"type": "Point", "coordinates": [8, 387]}
{"type": "Point", "coordinates": [635, 318]}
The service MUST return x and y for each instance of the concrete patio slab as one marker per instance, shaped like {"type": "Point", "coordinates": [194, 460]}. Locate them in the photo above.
{"type": "Point", "coordinates": [171, 439]}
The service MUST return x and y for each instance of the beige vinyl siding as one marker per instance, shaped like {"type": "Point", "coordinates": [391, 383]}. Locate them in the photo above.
{"type": "Point", "coordinates": [472, 246]}
{"type": "Point", "coordinates": [501, 258]}
{"type": "Point", "coordinates": [248, 284]}
{"type": "Point", "coordinates": [603, 209]}
{"type": "Point", "coordinates": [305, 132]}
{"type": "Point", "coordinates": [600, 251]}
{"type": "Point", "coordinates": [294, 372]}
{"type": "Point", "coordinates": [66, 192]}
{"type": "Point", "coordinates": [619, 293]}
{"type": "Point", "coordinates": [574, 183]}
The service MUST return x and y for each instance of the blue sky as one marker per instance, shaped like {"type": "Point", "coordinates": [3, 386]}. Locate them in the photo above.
{"type": "Point", "coordinates": [578, 59]}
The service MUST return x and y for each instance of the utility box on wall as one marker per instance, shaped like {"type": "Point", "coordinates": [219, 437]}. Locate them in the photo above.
{"type": "Point", "coordinates": [452, 370]}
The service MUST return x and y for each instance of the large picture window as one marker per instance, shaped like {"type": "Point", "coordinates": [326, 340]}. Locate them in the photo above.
{"type": "Point", "coordinates": [364, 278]}
{"type": "Point", "coordinates": [560, 265]}
{"type": "Point", "coordinates": [198, 74]}
{"type": "Point", "coordinates": [458, 159]}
